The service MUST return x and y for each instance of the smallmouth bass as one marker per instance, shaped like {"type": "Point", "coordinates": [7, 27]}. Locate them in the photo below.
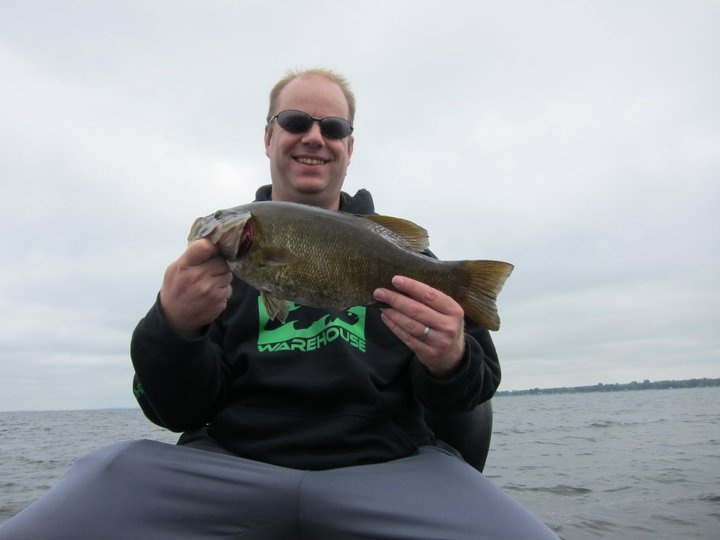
{"type": "Point", "coordinates": [335, 260]}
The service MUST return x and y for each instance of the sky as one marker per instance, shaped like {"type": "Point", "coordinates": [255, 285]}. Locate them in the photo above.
{"type": "Point", "coordinates": [578, 140]}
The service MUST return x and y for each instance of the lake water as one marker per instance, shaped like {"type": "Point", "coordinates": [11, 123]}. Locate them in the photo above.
{"type": "Point", "coordinates": [617, 465]}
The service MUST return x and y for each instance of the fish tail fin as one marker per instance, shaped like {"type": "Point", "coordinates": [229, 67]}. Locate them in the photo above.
{"type": "Point", "coordinates": [481, 284]}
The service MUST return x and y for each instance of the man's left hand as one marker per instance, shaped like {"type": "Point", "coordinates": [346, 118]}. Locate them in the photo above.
{"type": "Point", "coordinates": [428, 321]}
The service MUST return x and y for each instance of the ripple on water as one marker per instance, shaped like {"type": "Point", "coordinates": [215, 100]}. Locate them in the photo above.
{"type": "Point", "coordinates": [560, 489]}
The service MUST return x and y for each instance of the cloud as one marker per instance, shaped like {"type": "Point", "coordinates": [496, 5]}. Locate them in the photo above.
{"type": "Point", "coordinates": [579, 141]}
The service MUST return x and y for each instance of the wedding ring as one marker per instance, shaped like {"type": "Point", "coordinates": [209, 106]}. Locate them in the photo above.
{"type": "Point", "coordinates": [425, 333]}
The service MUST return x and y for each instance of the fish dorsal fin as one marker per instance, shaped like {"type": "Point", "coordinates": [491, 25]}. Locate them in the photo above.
{"type": "Point", "coordinates": [403, 231]}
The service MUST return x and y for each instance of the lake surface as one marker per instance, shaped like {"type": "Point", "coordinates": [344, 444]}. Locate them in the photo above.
{"type": "Point", "coordinates": [616, 465]}
{"type": "Point", "coordinates": [620, 465]}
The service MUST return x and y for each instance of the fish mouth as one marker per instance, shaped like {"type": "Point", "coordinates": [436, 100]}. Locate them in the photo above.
{"type": "Point", "coordinates": [235, 240]}
{"type": "Point", "coordinates": [246, 241]}
{"type": "Point", "coordinates": [232, 233]}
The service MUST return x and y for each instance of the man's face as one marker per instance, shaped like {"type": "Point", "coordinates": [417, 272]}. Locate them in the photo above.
{"type": "Point", "coordinates": [307, 167]}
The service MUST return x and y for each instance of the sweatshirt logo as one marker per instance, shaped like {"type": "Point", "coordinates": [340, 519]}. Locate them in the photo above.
{"type": "Point", "coordinates": [308, 329]}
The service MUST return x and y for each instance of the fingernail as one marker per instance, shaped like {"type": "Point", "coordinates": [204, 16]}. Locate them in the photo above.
{"type": "Point", "coordinates": [398, 281]}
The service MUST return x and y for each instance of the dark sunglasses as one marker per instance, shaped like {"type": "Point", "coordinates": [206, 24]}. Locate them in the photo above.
{"type": "Point", "coordinates": [297, 122]}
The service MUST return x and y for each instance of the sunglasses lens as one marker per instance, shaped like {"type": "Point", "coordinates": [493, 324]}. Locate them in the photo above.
{"type": "Point", "coordinates": [294, 121]}
{"type": "Point", "coordinates": [300, 122]}
{"type": "Point", "coordinates": [335, 128]}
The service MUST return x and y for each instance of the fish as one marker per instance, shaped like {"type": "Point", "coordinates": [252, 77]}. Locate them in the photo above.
{"type": "Point", "coordinates": [292, 252]}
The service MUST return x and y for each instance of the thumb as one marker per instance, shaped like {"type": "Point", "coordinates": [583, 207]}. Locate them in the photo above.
{"type": "Point", "coordinates": [199, 251]}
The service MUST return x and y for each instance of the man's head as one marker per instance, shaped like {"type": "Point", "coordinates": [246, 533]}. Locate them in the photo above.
{"type": "Point", "coordinates": [330, 75]}
{"type": "Point", "coordinates": [309, 167]}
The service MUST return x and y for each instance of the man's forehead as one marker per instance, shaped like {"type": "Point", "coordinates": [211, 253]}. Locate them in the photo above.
{"type": "Point", "coordinates": [315, 92]}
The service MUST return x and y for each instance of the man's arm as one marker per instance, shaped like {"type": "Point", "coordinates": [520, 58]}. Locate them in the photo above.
{"type": "Point", "coordinates": [179, 370]}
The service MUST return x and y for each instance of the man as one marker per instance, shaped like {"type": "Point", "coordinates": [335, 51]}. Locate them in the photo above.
{"type": "Point", "coordinates": [321, 440]}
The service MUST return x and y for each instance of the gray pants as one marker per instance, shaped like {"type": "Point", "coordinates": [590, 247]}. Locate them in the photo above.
{"type": "Point", "coordinates": [149, 490]}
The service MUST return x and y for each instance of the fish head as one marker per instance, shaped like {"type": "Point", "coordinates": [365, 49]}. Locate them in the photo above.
{"type": "Point", "coordinates": [231, 230]}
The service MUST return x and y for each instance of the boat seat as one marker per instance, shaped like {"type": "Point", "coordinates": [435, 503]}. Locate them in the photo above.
{"type": "Point", "coordinates": [468, 432]}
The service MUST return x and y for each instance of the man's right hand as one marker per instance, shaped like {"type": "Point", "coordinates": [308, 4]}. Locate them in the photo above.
{"type": "Point", "coordinates": [196, 288]}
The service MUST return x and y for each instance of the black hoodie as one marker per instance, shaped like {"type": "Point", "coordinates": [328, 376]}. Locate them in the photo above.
{"type": "Point", "coordinates": [320, 391]}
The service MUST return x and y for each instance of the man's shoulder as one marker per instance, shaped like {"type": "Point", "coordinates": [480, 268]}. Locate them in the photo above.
{"type": "Point", "coordinates": [360, 203]}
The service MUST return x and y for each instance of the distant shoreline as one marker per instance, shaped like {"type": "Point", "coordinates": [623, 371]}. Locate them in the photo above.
{"type": "Point", "coordinates": [616, 387]}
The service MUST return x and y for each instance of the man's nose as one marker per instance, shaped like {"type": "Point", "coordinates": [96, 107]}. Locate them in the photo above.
{"type": "Point", "coordinates": [313, 135]}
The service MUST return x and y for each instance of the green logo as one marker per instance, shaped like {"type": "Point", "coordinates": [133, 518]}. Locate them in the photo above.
{"type": "Point", "coordinates": [309, 330]}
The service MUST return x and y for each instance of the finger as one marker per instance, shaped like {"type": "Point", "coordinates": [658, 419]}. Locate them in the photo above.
{"type": "Point", "coordinates": [410, 326]}
{"type": "Point", "coordinates": [401, 303]}
{"type": "Point", "coordinates": [227, 291]}
{"type": "Point", "coordinates": [425, 294]}
{"type": "Point", "coordinates": [218, 267]}
{"type": "Point", "coordinates": [198, 252]}
{"type": "Point", "coordinates": [411, 334]}
{"type": "Point", "coordinates": [408, 313]}
{"type": "Point", "coordinates": [205, 254]}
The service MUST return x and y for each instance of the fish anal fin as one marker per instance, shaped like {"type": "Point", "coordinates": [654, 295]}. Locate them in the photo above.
{"type": "Point", "coordinates": [410, 234]}
{"type": "Point", "coordinates": [276, 308]}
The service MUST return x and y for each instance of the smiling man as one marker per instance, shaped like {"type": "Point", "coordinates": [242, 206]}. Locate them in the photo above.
{"type": "Point", "coordinates": [309, 428]}
{"type": "Point", "coordinates": [305, 165]}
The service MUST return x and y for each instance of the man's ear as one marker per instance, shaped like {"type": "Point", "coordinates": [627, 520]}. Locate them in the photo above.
{"type": "Point", "coordinates": [268, 135]}
{"type": "Point", "coordinates": [351, 142]}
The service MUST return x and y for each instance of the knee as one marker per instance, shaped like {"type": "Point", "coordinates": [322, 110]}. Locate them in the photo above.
{"type": "Point", "coordinates": [114, 458]}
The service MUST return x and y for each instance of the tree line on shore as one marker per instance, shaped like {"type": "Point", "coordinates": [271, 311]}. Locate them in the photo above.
{"type": "Point", "coordinates": [616, 387]}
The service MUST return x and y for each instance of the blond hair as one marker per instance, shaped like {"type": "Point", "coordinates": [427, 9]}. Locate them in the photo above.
{"type": "Point", "coordinates": [332, 76]}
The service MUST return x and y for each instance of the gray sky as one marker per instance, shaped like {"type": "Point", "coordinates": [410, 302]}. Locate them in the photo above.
{"type": "Point", "coordinates": [579, 140]}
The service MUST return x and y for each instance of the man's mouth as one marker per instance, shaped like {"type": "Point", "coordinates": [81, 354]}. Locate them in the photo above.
{"type": "Point", "coordinates": [309, 160]}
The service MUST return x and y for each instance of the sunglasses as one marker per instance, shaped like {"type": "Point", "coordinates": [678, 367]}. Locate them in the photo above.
{"type": "Point", "coordinates": [297, 122]}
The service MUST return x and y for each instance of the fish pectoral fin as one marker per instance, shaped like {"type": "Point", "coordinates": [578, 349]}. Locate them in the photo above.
{"type": "Point", "coordinates": [409, 234]}
{"type": "Point", "coordinates": [275, 307]}
{"type": "Point", "coordinates": [275, 257]}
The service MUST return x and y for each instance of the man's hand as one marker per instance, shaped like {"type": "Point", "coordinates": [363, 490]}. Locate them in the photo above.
{"type": "Point", "coordinates": [196, 288]}
{"type": "Point", "coordinates": [417, 308]}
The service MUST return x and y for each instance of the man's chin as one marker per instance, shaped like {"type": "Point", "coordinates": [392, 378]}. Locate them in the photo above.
{"type": "Point", "coordinates": [310, 186]}
{"type": "Point", "coordinates": [317, 193]}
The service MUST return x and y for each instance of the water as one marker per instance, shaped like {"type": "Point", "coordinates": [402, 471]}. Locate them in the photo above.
{"type": "Point", "coordinates": [36, 448]}
{"type": "Point", "coordinates": [618, 465]}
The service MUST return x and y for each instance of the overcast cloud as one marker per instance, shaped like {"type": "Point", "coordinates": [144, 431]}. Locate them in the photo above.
{"type": "Point", "coordinates": [579, 140]}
